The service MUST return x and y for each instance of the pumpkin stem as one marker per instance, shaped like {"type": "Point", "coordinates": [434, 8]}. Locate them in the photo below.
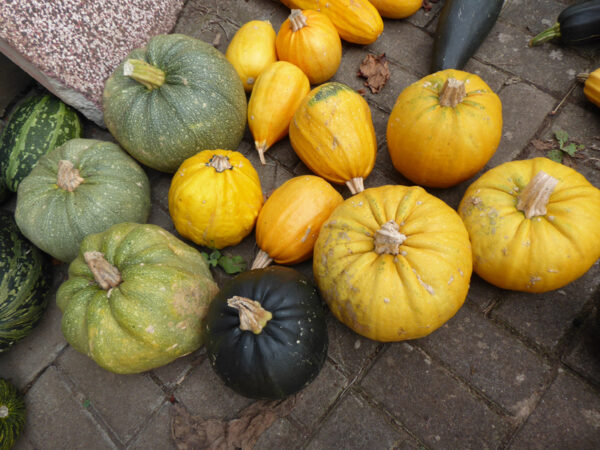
{"type": "Point", "coordinates": [144, 73]}
{"type": "Point", "coordinates": [106, 275]}
{"type": "Point", "coordinates": [453, 92]}
{"type": "Point", "coordinates": [261, 260]}
{"type": "Point", "coordinates": [582, 77]}
{"type": "Point", "coordinates": [355, 185]}
{"type": "Point", "coordinates": [534, 198]}
{"type": "Point", "coordinates": [3, 411]}
{"type": "Point", "coordinates": [220, 163]}
{"type": "Point", "coordinates": [261, 148]}
{"type": "Point", "coordinates": [68, 177]}
{"type": "Point", "coordinates": [388, 239]}
{"type": "Point", "coordinates": [253, 317]}
{"type": "Point", "coordinates": [297, 19]}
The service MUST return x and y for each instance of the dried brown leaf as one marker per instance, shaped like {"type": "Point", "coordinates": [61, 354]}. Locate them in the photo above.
{"type": "Point", "coordinates": [542, 145]}
{"type": "Point", "coordinates": [376, 70]}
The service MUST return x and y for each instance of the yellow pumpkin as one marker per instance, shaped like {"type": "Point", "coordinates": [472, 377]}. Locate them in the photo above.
{"type": "Point", "coordinates": [215, 197]}
{"type": "Point", "coordinates": [444, 128]}
{"type": "Point", "coordinates": [309, 40]}
{"type": "Point", "coordinates": [357, 21]}
{"type": "Point", "coordinates": [251, 49]}
{"type": "Point", "coordinates": [397, 9]}
{"type": "Point", "coordinates": [278, 91]}
{"type": "Point", "coordinates": [393, 263]}
{"type": "Point", "coordinates": [289, 222]}
{"type": "Point", "coordinates": [591, 87]}
{"type": "Point", "coordinates": [332, 133]}
{"type": "Point", "coordinates": [533, 225]}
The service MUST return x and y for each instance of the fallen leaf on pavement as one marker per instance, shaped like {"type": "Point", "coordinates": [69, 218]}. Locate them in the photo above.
{"type": "Point", "coordinates": [376, 70]}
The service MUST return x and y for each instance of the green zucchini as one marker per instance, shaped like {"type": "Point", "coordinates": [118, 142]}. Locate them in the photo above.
{"type": "Point", "coordinates": [462, 27]}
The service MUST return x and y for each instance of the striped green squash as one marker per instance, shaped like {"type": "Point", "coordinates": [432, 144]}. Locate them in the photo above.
{"type": "Point", "coordinates": [12, 414]}
{"type": "Point", "coordinates": [24, 283]}
{"type": "Point", "coordinates": [37, 126]}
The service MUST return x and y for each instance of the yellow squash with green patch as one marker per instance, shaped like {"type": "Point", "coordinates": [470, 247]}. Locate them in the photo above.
{"type": "Point", "coordinates": [393, 263]}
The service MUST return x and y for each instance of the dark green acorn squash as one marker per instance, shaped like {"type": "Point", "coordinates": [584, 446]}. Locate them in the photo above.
{"type": "Point", "coordinates": [36, 127]}
{"type": "Point", "coordinates": [265, 333]}
{"type": "Point", "coordinates": [173, 98]}
{"type": "Point", "coordinates": [12, 414]}
{"type": "Point", "coordinates": [80, 188]}
{"type": "Point", "coordinates": [24, 283]}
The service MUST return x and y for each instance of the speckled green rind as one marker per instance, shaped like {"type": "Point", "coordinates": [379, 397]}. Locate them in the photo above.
{"type": "Point", "coordinates": [36, 127]}
{"type": "Point", "coordinates": [24, 283]}
{"type": "Point", "coordinates": [201, 105]}
{"type": "Point", "coordinates": [12, 414]}
{"type": "Point", "coordinates": [154, 316]}
{"type": "Point", "coordinates": [115, 189]}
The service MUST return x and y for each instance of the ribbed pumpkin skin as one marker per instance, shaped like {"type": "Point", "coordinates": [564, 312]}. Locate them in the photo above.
{"type": "Point", "coordinates": [25, 280]}
{"type": "Point", "coordinates": [591, 88]}
{"type": "Point", "coordinates": [332, 133]}
{"type": "Point", "coordinates": [114, 189]}
{"type": "Point", "coordinates": [276, 95]}
{"type": "Point", "coordinates": [251, 50]}
{"type": "Point", "coordinates": [396, 9]}
{"type": "Point", "coordinates": [537, 254]}
{"type": "Point", "coordinates": [215, 209]}
{"type": "Point", "coordinates": [289, 222]}
{"type": "Point", "coordinates": [153, 316]}
{"type": "Point", "coordinates": [13, 424]}
{"type": "Point", "coordinates": [441, 146]}
{"type": "Point", "coordinates": [386, 297]}
{"type": "Point", "coordinates": [201, 105]}
{"type": "Point", "coordinates": [357, 21]}
{"type": "Point", "coordinates": [36, 127]}
{"type": "Point", "coordinates": [316, 47]}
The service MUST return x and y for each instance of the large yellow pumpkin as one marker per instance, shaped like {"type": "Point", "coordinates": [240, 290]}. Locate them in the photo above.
{"type": "Point", "coordinates": [397, 9]}
{"type": "Point", "coordinates": [332, 133]}
{"type": "Point", "coordinates": [393, 263]}
{"type": "Point", "coordinates": [444, 128]}
{"type": "Point", "coordinates": [289, 222]}
{"type": "Point", "coordinates": [215, 197]}
{"type": "Point", "coordinates": [533, 225]}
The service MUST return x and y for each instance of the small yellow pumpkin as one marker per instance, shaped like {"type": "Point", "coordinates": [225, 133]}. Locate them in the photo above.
{"type": "Point", "coordinates": [332, 133]}
{"type": "Point", "coordinates": [357, 21]}
{"type": "Point", "coordinates": [444, 128]}
{"type": "Point", "coordinates": [278, 91]}
{"type": "Point", "coordinates": [215, 197]}
{"type": "Point", "coordinates": [289, 222]}
{"type": "Point", "coordinates": [591, 87]}
{"type": "Point", "coordinates": [251, 49]}
{"type": "Point", "coordinates": [309, 40]}
{"type": "Point", "coordinates": [393, 263]}
{"type": "Point", "coordinates": [397, 9]}
{"type": "Point", "coordinates": [533, 225]}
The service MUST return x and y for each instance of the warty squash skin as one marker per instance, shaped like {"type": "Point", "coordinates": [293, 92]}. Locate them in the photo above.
{"type": "Point", "coordinates": [251, 50]}
{"type": "Point", "coordinates": [591, 87]}
{"type": "Point", "coordinates": [332, 133]}
{"type": "Point", "coordinates": [393, 263]}
{"type": "Point", "coordinates": [135, 298]}
{"type": "Point", "coordinates": [532, 239]}
{"type": "Point", "coordinates": [357, 21]}
{"type": "Point", "coordinates": [309, 40]}
{"type": "Point", "coordinates": [396, 9]}
{"type": "Point", "coordinates": [289, 222]}
{"type": "Point", "coordinates": [173, 97]}
{"type": "Point", "coordinates": [215, 197]}
{"type": "Point", "coordinates": [444, 128]}
{"type": "Point", "coordinates": [277, 94]}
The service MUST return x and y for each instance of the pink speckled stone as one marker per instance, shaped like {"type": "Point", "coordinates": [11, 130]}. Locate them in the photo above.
{"type": "Point", "coordinates": [80, 42]}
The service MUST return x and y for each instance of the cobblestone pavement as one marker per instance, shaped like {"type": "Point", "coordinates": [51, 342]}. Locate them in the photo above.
{"type": "Point", "coordinates": [510, 370]}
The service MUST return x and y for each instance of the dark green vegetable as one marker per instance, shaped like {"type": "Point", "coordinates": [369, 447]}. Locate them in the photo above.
{"type": "Point", "coordinates": [576, 25]}
{"type": "Point", "coordinates": [462, 27]}
{"type": "Point", "coordinates": [12, 414]}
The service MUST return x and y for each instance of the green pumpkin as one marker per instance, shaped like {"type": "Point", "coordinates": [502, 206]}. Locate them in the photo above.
{"type": "Point", "coordinates": [12, 414]}
{"type": "Point", "coordinates": [80, 188]}
{"type": "Point", "coordinates": [135, 298]}
{"type": "Point", "coordinates": [24, 283]}
{"type": "Point", "coordinates": [173, 98]}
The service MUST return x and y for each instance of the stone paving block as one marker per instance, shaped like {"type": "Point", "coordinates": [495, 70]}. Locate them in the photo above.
{"type": "Point", "coordinates": [530, 17]}
{"type": "Point", "coordinates": [430, 403]}
{"type": "Point", "coordinates": [283, 152]}
{"type": "Point", "coordinates": [138, 396]}
{"type": "Point", "coordinates": [545, 318]}
{"type": "Point", "coordinates": [160, 217]}
{"type": "Point", "coordinates": [422, 17]}
{"type": "Point", "coordinates": [568, 417]}
{"type": "Point", "coordinates": [157, 432]}
{"type": "Point", "coordinates": [482, 294]}
{"type": "Point", "coordinates": [355, 424]}
{"type": "Point", "coordinates": [13, 82]}
{"type": "Point", "coordinates": [159, 193]}
{"type": "Point", "coordinates": [272, 175]}
{"type": "Point", "coordinates": [583, 355]}
{"type": "Point", "coordinates": [174, 373]}
{"type": "Point", "coordinates": [57, 417]}
{"type": "Point", "coordinates": [281, 435]}
{"type": "Point", "coordinates": [23, 444]}
{"type": "Point", "coordinates": [488, 358]}
{"type": "Point", "coordinates": [494, 78]}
